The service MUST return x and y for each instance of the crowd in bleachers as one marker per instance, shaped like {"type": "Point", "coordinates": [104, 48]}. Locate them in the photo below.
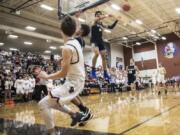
{"type": "Point", "coordinates": [118, 79]}
{"type": "Point", "coordinates": [16, 77]}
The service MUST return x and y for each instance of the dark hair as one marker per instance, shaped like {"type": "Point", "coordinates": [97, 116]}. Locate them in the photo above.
{"type": "Point", "coordinates": [85, 30]}
{"type": "Point", "coordinates": [68, 26]}
{"type": "Point", "coordinates": [98, 12]}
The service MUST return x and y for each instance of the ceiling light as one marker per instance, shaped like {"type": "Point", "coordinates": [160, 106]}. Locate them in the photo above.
{"type": "Point", "coordinates": [13, 49]}
{"type": "Point", "coordinates": [116, 7]}
{"type": "Point", "coordinates": [47, 51]}
{"type": "Point", "coordinates": [27, 43]}
{"type": "Point", "coordinates": [1, 44]}
{"type": "Point", "coordinates": [178, 10]}
{"type": "Point", "coordinates": [81, 20]}
{"type": "Point", "coordinates": [18, 12]}
{"type": "Point", "coordinates": [137, 43]}
{"type": "Point", "coordinates": [30, 28]}
{"type": "Point", "coordinates": [12, 36]}
{"type": "Point", "coordinates": [133, 32]}
{"type": "Point", "coordinates": [152, 35]}
{"type": "Point", "coordinates": [47, 7]}
{"type": "Point", "coordinates": [124, 38]}
{"type": "Point", "coordinates": [107, 31]}
{"type": "Point", "coordinates": [48, 40]}
{"type": "Point", "coordinates": [163, 38]}
{"type": "Point", "coordinates": [156, 37]}
{"type": "Point", "coordinates": [106, 40]}
{"type": "Point", "coordinates": [153, 31]}
{"type": "Point", "coordinates": [52, 48]}
{"type": "Point", "coordinates": [139, 21]}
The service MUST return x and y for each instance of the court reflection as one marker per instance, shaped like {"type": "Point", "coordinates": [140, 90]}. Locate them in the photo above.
{"type": "Point", "coordinates": [26, 117]}
{"type": "Point", "coordinates": [9, 127]}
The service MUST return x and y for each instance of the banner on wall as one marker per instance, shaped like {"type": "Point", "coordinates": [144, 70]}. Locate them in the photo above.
{"type": "Point", "coordinates": [119, 63]}
{"type": "Point", "coordinates": [170, 50]}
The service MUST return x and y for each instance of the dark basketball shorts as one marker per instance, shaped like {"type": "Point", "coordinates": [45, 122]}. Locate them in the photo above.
{"type": "Point", "coordinates": [99, 45]}
{"type": "Point", "coordinates": [131, 80]}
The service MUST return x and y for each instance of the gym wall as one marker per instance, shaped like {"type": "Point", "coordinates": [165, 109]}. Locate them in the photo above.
{"type": "Point", "coordinates": [172, 65]}
{"type": "Point", "coordinates": [150, 54]}
{"type": "Point", "coordinates": [145, 56]}
{"type": "Point", "coordinates": [116, 51]}
{"type": "Point", "coordinates": [127, 55]}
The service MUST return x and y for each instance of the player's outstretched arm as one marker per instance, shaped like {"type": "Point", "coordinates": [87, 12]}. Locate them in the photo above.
{"type": "Point", "coordinates": [113, 24]}
{"type": "Point", "coordinates": [102, 17]}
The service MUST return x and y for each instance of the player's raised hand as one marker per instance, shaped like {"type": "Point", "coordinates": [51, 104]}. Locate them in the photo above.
{"type": "Point", "coordinates": [78, 13]}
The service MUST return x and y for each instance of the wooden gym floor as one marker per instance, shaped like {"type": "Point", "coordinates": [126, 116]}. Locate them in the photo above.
{"type": "Point", "coordinates": [115, 114]}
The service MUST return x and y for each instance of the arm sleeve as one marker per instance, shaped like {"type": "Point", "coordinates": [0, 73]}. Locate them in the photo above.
{"type": "Point", "coordinates": [110, 26]}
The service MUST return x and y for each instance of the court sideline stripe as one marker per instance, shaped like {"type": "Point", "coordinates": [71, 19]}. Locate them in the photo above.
{"type": "Point", "coordinates": [139, 124]}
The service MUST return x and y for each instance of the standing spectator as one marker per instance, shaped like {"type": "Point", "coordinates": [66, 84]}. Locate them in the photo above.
{"type": "Point", "coordinates": [40, 86]}
{"type": "Point", "coordinates": [113, 77]}
{"type": "Point", "coordinates": [8, 86]}
{"type": "Point", "coordinates": [26, 87]}
{"type": "Point", "coordinates": [32, 86]}
{"type": "Point", "coordinates": [19, 87]}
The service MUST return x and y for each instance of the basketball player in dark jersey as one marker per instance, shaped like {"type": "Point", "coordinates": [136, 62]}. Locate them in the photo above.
{"type": "Point", "coordinates": [132, 71]}
{"type": "Point", "coordinates": [82, 33]}
{"type": "Point", "coordinates": [98, 43]}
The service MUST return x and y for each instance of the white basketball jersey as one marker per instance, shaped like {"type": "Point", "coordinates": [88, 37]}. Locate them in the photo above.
{"type": "Point", "coordinates": [19, 84]}
{"type": "Point", "coordinates": [160, 71]}
{"type": "Point", "coordinates": [26, 84]}
{"type": "Point", "coordinates": [76, 69]}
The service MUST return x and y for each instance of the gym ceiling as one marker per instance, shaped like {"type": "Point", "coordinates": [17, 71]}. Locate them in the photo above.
{"type": "Point", "coordinates": [147, 21]}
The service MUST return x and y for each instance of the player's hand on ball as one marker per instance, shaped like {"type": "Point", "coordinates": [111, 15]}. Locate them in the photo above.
{"type": "Point", "coordinates": [43, 75]}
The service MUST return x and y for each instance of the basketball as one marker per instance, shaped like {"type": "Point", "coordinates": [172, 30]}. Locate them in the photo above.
{"type": "Point", "coordinates": [126, 7]}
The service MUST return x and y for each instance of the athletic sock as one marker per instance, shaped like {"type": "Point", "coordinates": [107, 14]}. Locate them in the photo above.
{"type": "Point", "coordinates": [82, 107]}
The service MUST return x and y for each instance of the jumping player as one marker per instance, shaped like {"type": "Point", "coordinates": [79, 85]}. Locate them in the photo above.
{"type": "Point", "coordinates": [73, 70]}
{"type": "Point", "coordinates": [81, 33]}
{"type": "Point", "coordinates": [98, 43]}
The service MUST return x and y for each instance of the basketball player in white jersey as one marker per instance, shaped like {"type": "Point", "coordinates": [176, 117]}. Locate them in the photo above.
{"type": "Point", "coordinates": [73, 70]}
{"type": "Point", "coordinates": [154, 81]}
{"type": "Point", "coordinates": [19, 86]}
{"type": "Point", "coordinates": [26, 87]}
{"type": "Point", "coordinates": [32, 86]}
{"type": "Point", "coordinates": [161, 73]}
{"type": "Point", "coordinates": [8, 86]}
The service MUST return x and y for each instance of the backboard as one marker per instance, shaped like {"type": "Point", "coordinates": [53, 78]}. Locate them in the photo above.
{"type": "Point", "coordinates": [71, 6]}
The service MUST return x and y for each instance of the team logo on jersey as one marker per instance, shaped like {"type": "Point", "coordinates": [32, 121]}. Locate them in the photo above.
{"type": "Point", "coordinates": [170, 50]}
